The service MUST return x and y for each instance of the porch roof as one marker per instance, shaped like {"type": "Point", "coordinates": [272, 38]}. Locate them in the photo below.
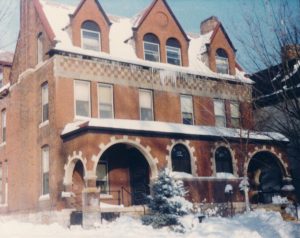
{"type": "Point", "coordinates": [156, 127]}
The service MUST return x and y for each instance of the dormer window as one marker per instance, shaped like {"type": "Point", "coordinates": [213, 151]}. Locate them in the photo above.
{"type": "Point", "coordinates": [173, 51]}
{"type": "Point", "coordinates": [151, 48]}
{"type": "Point", "coordinates": [222, 63]}
{"type": "Point", "coordinates": [40, 47]}
{"type": "Point", "coordinates": [90, 36]}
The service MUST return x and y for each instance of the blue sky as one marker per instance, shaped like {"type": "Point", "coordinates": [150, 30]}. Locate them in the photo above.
{"type": "Point", "coordinates": [189, 13]}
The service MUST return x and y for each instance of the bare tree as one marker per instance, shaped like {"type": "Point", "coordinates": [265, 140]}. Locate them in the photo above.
{"type": "Point", "coordinates": [272, 48]}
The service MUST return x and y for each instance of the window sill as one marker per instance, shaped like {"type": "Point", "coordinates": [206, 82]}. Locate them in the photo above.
{"type": "Point", "coordinates": [106, 196]}
{"type": "Point", "coordinates": [3, 144]}
{"type": "Point", "coordinates": [67, 194]}
{"type": "Point", "coordinates": [45, 197]}
{"type": "Point", "coordinates": [45, 123]}
{"type": "Point", "coordinates": [3, 205]}
{"type": "Point", "coordinates": [81, 118]}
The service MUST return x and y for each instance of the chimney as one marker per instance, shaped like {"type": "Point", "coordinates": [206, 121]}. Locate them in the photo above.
{"type": "Point", "coordinates": [208, 24]}
{"type": "Point", "coordinates": [290, 52]}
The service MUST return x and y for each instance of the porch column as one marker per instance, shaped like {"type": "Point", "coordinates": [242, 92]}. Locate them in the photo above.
{"type": "Point", "coordinates": [90, 202]}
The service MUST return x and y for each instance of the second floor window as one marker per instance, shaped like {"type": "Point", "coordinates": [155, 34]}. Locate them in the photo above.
{"type": "Point", "coordinates": [82, 98]}
{"type": "Point", "coordinates": [45, 170]}
{"type": "Point", "coordinates": [151, 48]}
{"type": "Point", "coordinates": [45, 102]}
{"type": "Point", "coordinates": [105, 101]}
{"type": "Point", "coordinates": [234, 114]}
{"type": "Point", "coordinates": [173, 52]}
{"type": "Point", "coordinates": [187, 109]}
{"type": "Point", "coordinates": [3, 125]}
{"type": "Point", "coordinates": [146, 105]}
{"type": "Point", "coordinates": [90, 36]}
{"type": "Point", "coordinates": [220, 115]}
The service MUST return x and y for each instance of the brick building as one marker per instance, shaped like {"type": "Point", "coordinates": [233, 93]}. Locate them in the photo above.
{"type": "Point", "coordinates": [100, 101]}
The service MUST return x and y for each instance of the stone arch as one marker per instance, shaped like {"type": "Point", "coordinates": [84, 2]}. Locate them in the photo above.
{"type": "Point", "coordinates": [70, 165]}
{"type": "Point", "coordinates": [191, 151]}
{"type": "Point", "coordinates": [136, 144]}
{"type": "Point", "coordinates": [233, 157]}
{"type": "Point", "coordinates": [272, 151]}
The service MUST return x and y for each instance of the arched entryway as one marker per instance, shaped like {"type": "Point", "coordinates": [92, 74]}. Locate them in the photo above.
{"type": "Point", "coordinates": [123, 170]}
{"type": "Point", "coordinates": [78, 184]}
{"type": "Point", "coordinates": [265, 174]}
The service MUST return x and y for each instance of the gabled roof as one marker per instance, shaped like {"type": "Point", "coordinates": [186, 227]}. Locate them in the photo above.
{"type": "Point", "coordinates": [99, 7]}
{"type": "Point", "coordinates": [215, 31]}
{"type": "Point", "coordinates": [146, 12]}
{"type": "Point", "coordinates": [44, 20]}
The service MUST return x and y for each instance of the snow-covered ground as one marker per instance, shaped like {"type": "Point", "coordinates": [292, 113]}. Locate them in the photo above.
{"type": "Point", "coordinates": [253, 225]}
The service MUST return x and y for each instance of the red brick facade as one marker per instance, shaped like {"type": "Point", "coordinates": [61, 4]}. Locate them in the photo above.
{"type": "Point", "coordinates": [74, 156]}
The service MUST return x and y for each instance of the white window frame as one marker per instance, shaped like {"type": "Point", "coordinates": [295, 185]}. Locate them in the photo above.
{"type": "Point", "coordinates": [107, 177]}
{"type": "Point", "coordinates": [151, 99]}
{"type": "Point", "coordinates": [45, 86]}
{"type": "Point", "coordinates": [75, 98]}
{"type": "Point", "coordinates": [224, 61]}
{"type": "Point", "coordinates": [176, 50]}
{"type": "Point", "coordinates": [158, 50]}
{"type": "Point", "coordinates": [238, 117]}
{"type": "Point", "coordinates": [45, 149]}
{"type": "Point", "coordinates": [110, 86]}
{"type": "Point", "coordinates": [99, 39]}
{"type": "Point", "coordinates": [219, 115]}
{"type": "Point", "coordinates": [190, 97]}
{"type": "Point", "coordinates": [3, 126]}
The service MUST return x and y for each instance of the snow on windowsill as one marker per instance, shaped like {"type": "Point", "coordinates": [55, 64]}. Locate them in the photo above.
{"type": "Point", "coordinates": [181, 175]}
{"type": "Point", "coordinates": [44, 197]}
{"type": "Point", "coordinates": [44, 123]}
{"type": "Point", "coordinates": [4, 87]}
{"type": "Point", "coordinates": [3, 144]}
{"type": "Point", "coordinates": [67, 194]}
{"type": "Point", "coordinates": [106, 196]}
{"type": "Point", "coordinates": [223, 175]}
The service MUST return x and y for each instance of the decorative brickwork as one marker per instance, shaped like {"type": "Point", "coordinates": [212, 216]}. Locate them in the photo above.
{"type": "Point", "coordinates": [137, 76]}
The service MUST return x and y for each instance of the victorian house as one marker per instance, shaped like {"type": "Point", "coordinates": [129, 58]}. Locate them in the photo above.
{"type": "Point", "coordinates": [96, 105]}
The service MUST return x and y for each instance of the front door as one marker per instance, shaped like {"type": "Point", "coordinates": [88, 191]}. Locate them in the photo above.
{"type": "Point", "coordinates": [139, 178]}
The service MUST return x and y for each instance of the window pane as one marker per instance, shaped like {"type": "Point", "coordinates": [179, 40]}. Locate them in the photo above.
{"type": "Point", "coordinates": [222, 65]}
{"type": "Point", "coordinates": [187, 118]}
{"type": "Point", "coordinates": [45, 170]}
{"type": "Point", "coordinates": [146, 105]}
{"type": "Point", "coordinates": [102, 177]}
{"type": "Point", "coordinates": [45, 154]}
{"type": "Point", "coordinates": [90, 40]}
{"type": "Point", "coordinates": [223, 160]}
{"type": "Point", "coordinates": [3, 122]}
{"type": "Point", "coordinates": [45, 183]}
{"type": "Point", "coordinates": [151, 51]}
{"type": "Point", "coordinates": [234, 110]}
{"type": "Point", "coordinates": [82, 97]}
{"type": "Point", "coordinates": [105, 101]}
{"type": "Point", "coordinates": [186, 109]}
{"type": "Point", "coordinates": [45, 100]}
{"type": "Point", "coordinates": [173, 55]}
{"type": "Point", "coordinates": [219, 107]}
{"type": "Point", "coordinates": [220, 121]}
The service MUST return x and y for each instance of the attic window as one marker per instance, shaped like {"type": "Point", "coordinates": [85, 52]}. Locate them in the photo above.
{"type": "Point", "coordinates": [173, 52]}
{"type": "Point", "coordinates": [222, 62]}
{"type": "Point", "coordinates": [151, 48]}
{"type": "Point", "coordinates": [90, 36]}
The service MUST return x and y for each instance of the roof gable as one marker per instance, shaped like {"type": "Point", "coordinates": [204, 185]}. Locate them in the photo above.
{"type": "Point", "coordinates": [216, 30]}
{"type": "Point", "coordinates": [81, 4]}
{"type": "Point", "coordinates": [49, 31]}
{"type": "Point", "coordinates": [146, 12]}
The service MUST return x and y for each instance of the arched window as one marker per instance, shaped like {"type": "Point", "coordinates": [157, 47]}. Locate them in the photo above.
{"type": "Point", "coordinates": [181, 160]}
{"type": "Point", "coordinates": [173, 51]}
{"type": "Point", "coordinates": [223, 160]}
{"type": "Point", "coordinates": [151, 48]}
{"type": "Point", "coordinates": [90, 36]}
{"type": "Point", "coordinates": [222, 63]}
{"type": "Point", "coordinates": [40, 47]}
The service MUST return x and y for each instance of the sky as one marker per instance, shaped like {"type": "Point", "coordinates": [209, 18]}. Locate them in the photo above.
{"type": "Point", "coordinates": [190, 13]}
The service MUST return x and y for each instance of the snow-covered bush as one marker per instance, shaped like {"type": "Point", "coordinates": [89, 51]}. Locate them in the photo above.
{"type": "Point", "coordinates": [167, 203]}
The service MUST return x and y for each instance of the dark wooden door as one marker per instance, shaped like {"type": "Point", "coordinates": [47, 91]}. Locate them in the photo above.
{"type": "Point", "coordinates": [139, 178]}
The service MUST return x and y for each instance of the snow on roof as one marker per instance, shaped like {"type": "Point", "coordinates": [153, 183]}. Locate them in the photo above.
{"type": "Point", "coordinates": [170, 128]}
{"type": "Point", "coordinates": [122, 48]}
